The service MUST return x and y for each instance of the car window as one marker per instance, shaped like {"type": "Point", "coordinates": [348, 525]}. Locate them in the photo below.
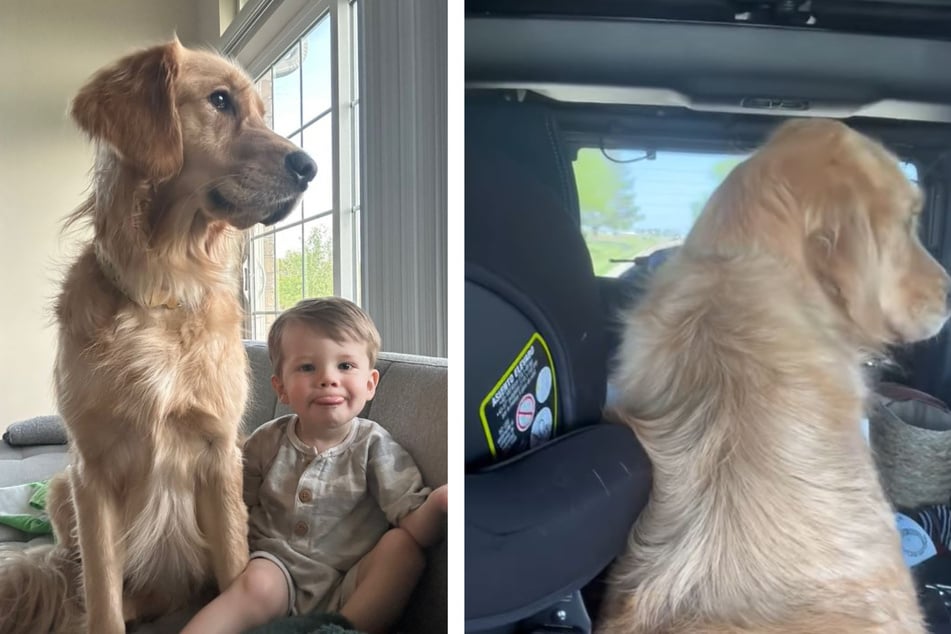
{"type": "Point", "coordinates": [635, 201]}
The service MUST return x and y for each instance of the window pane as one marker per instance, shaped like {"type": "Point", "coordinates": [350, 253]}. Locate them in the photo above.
{"type": "Point", "coordinates": [317, 142]}
{"type": "Point", "coordinates": [287, 92]}
{"type": "Point", "coordinates": [262, 324]}
{"type": "Point", "coordinates": [318, 257]}
{"type": "Point", "coordinates": [295, 258]}
{"type": "Point", "coordinates": [264, 87]}
{"type": "Point", "coordinates": [262, 274]}
{"type": "Point", "coordinates": [295, 215]}
{"type": "Point", "coordinates": [634, 202]}
{"type": "Point", "coordinates": [289, 267]}
{"type": "Point", "coordinates": [910, 170]}
{"type": "Point", "coordinates": [315, 48]}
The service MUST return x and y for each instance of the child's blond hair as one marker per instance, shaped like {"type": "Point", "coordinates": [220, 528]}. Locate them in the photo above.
{"type": "Point", "coordinates": [336, 317]}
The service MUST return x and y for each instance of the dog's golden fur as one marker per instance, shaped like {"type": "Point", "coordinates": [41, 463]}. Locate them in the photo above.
{"type": "Point", "coordinates": [741, 373]}
{"type": "Point", "coordinates": [151, 375]}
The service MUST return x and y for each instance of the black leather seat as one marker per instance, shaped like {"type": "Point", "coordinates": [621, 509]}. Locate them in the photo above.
{"type": "Point", "coordinates": [551, 489]}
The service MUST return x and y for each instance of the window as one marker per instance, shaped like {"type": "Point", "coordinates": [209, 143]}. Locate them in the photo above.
{"type": "Point", "coordinates": [315, 250]}
{"type": "Point", "coordinates": [634, 201]}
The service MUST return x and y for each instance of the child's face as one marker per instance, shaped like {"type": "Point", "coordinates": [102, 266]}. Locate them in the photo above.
{"type": "Point", "coordinates": [325, 382]}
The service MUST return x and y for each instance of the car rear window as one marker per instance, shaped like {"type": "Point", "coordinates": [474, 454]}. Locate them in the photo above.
{"type": "Point", "coordinates": [635, 201]}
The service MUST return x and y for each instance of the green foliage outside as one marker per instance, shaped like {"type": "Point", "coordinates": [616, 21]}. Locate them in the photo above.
{"type": "Point", "coordinates": [605, 193]}
{"type": "Point", "coordinates": [724, 167]}
{"type": "Point", "coordinates": [310, 274]}
{"type": "Point", "coordinates": [719, 172]}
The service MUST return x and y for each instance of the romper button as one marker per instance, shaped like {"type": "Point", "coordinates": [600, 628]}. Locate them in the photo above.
{"type": "Point", "coordinates": [305, 495]}
{"type": "Point", "coordinates": [300, 529]}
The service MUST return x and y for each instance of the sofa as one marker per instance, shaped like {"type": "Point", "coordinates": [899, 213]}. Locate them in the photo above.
{"type": "Point", "coordinates": [410, 402]}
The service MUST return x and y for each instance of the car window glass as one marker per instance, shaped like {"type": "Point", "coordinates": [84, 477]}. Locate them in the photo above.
{"type": "Point", "coordinates": [635, 202]}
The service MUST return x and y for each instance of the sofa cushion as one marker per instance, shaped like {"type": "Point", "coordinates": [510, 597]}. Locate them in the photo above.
{"type": "Point", "coordinates": [262, 400]}
{"type": "Point", "coordinates": [19, 465]}
{"type": "Point", "coordinates": [419, 423]}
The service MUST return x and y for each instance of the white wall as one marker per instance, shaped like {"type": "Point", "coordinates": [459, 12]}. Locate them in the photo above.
{"type": "Point", "coordinates": [47, 50]}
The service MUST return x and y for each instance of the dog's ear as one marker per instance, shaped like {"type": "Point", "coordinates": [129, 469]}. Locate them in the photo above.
{"type": "Point", "coordinates": [131, 106]}
{"type": "Point", "coordinates": [842, 254]}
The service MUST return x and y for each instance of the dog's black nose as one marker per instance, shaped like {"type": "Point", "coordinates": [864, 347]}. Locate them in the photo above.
{"type": "Point", "coordinates": [301, 166]}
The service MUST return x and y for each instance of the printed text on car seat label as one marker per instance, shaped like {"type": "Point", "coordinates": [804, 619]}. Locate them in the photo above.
{"type": "Point", "coordinates": [521, 411]}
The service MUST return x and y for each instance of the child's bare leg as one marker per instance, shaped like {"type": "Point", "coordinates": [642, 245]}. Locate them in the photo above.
{"type": "Point", "coordinates": [385, 581]}
{"type": "Point", "coordinates": [258, 595]}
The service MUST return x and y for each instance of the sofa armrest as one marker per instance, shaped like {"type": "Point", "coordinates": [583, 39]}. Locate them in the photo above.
{"type": "Point", "coordinates": [39, 430]}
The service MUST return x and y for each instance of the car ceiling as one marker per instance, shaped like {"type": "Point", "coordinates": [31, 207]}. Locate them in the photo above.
{"type": "Point", "coordinates": [889, 62]}
{"type": "Point", "coordinates": [914, 18]}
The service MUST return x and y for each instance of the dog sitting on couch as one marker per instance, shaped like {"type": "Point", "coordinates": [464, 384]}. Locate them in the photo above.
{"type": "Point", "coordinates": [151, 374]}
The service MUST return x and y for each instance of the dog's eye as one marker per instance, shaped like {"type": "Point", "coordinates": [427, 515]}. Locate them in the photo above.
{"type": "Point", "coordinates": [221, 100]}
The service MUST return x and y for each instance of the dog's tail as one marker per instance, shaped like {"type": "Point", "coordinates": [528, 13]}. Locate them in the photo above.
{"type": "Point", "coordinates": [40, 591]}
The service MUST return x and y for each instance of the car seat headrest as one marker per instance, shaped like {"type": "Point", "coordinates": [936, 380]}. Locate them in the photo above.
{"type": "Point", "coordinates": [535, 358]}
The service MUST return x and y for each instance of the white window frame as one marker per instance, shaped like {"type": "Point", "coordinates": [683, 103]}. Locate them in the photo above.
{"type": "Point", "coordinates": [259, 35]}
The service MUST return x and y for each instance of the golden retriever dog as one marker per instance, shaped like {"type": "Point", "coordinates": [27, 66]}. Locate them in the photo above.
{"type": "Point", "coordinates": [741, 371]}
{"type": "Point", "coordinates": [151, 375]}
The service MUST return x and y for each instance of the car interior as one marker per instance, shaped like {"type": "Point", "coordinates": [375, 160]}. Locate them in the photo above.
{"type": "Point", "coordinates": [653, 102]}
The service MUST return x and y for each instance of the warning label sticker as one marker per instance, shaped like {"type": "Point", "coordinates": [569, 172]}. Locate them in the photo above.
{"type": "Point", "coordinates": [525, 412]}
{"type": "Point", "coordinates": [521, 410]}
